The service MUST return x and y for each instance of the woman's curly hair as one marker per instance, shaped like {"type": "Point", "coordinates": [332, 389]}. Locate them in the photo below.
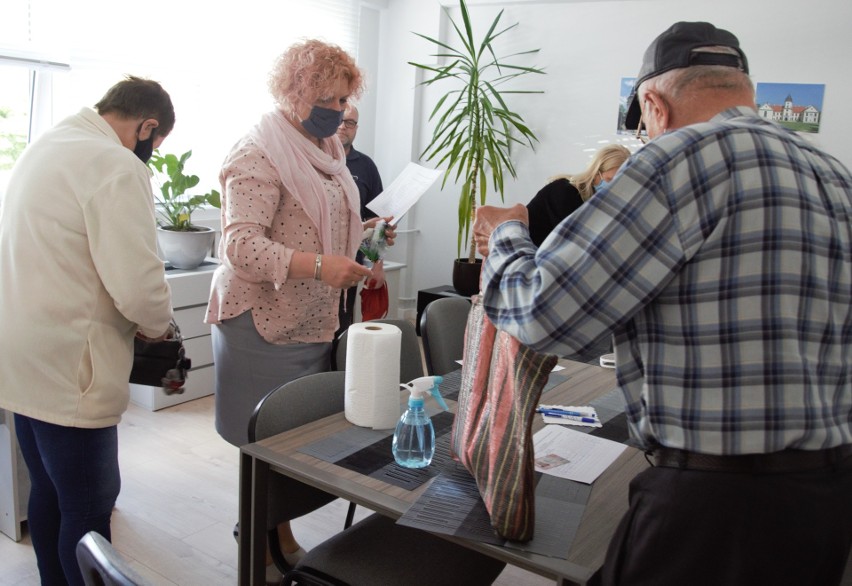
{"type": "Point", "coordinates": [309, 70]}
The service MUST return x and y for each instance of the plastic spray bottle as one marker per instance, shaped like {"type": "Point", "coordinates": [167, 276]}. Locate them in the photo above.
{"type": "Point", "coordinates": [414, 438]}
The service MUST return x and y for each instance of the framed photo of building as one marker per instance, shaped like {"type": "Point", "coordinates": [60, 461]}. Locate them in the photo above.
{"type": "Point", "coordinates": [624, 93]}
{"type": "Point", "coordinates": [797, 106]}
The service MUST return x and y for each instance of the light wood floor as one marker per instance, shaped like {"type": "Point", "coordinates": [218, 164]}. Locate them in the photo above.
{"type": "Point", "coordinates": [178, 505]}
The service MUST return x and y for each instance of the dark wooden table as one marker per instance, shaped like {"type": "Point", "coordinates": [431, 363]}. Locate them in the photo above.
{"type": "Point", "coordinates": [606, 505]}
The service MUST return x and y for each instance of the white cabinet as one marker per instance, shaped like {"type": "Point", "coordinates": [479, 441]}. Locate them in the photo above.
{"type": "Point", "coordinates": [14, 480]}
{"type": "Point", "coordinates": [190, 290]}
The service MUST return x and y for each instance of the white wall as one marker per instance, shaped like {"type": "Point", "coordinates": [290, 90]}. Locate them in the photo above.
{"type": "Point", "coordinates": [368, 61]}
{"type": "Point", "coordinates": [587, 46]}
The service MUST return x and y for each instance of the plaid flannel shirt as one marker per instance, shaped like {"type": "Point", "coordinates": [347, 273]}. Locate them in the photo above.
{"type": "Point", "coordinates": [720, 259]}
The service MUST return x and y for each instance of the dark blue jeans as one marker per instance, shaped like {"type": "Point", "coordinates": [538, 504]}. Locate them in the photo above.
{"type": "Point", "coordinates": [75, 482]}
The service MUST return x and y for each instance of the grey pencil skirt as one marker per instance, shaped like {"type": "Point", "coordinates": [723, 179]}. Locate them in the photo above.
{"type": "Point", "coordinates": [247, 368]}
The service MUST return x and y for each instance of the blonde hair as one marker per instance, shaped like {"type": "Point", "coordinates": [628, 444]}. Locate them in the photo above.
{"type": "Point", "coordinates": [609, 157]}
{"type": "Point", "coordinates": [310, 70]}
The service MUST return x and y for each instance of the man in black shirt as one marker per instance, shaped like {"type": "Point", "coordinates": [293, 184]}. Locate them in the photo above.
{"type": "Point", "coordinates": [369, 183]}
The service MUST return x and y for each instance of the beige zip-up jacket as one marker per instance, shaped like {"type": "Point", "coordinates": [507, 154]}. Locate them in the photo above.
{"type": "Point", "coordinates": [79, 274]}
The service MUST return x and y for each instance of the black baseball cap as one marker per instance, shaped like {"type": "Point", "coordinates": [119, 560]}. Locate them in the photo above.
{"type": "Point", "coordinates": [674, 49]}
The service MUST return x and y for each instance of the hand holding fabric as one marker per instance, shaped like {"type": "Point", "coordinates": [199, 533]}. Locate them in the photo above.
{"type": "Point", "coordinates": [377, 280]}
{"type": "Point", "coordinates": [489, 217]}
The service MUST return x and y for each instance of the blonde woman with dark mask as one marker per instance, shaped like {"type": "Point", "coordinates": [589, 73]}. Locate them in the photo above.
{"type": "Point", "coordinates": [565, 193]}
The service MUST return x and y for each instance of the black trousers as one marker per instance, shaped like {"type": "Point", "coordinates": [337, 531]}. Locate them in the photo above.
{"type": "Point", "coordinates": [691, 528]}
{"type": "Point", "coordinates": [346, 313]}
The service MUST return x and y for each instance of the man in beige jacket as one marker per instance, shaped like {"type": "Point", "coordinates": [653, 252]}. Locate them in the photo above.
{"type": "Point", "coordinates": [79, 277]}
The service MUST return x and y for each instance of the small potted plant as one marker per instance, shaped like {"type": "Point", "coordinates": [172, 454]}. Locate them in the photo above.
{"type": "Point", "coordinates": [184, 244]}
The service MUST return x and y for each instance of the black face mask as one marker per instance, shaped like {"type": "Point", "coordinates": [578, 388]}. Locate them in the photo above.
{"type": "Point", "coordinates": [145, 148]}
{"type": "Point", "coordinates": [322, 122]}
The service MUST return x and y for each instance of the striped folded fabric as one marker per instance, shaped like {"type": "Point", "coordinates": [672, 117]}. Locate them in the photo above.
{"type": "Point", "coordinates": [501, 382]}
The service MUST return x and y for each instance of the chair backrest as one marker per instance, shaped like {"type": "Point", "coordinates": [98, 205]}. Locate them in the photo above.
{"type": "Point", "coordinates": [286, 407]}
{"type": "Point", "coordinates": [442, 326]}
{"type": "Point", "coordinates": [410, 358]}
{"type": "Point", "coordinates": [101, 565]}
{"type": "Point", "coordinates": [296, 403]}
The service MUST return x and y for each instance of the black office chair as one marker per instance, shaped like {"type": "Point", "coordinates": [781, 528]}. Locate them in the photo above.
{"type": "Point", "coordinates": [442, 327]}
{"type": "Point", "coordinates": [289, 406]}
{"type": "Point", "coordinates": [378, 551]}
{"type": "Point", "coordinates": [101, 565]}
{"type": "Point", "coordinates": [410, 361]}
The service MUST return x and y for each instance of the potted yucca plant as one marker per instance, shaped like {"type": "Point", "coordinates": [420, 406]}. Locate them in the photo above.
{"type": "Point", "coordinates": [475, 129]}
{"type": "Point", "coordinates": [184, 244]}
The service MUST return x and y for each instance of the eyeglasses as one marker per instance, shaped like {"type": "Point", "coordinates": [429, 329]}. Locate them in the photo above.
{"type": "Point", "coordinates": [639, 128]}
{"type": "Point", "coordinates": [350, 124]}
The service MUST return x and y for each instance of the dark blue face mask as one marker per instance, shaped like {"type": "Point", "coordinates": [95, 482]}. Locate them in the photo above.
{"type": "Point", "coordinates": [322, 122]}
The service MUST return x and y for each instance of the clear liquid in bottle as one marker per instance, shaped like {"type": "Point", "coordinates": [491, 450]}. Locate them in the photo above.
{"type": "Point", "coordinates": [414, 438]}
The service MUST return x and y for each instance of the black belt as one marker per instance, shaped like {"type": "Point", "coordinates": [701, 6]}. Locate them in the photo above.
{"type": "Point", "coordinates": [776, 462]}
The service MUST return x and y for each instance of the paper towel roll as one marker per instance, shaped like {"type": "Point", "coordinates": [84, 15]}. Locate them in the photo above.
{"type": "Point", "coordinates": [372, 375]}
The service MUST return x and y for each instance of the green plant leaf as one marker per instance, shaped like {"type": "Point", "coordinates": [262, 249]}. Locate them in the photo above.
{"type": "Point", "coordinates": [174, 203]}
{"type": "Point", "coordinates": [474, 128]}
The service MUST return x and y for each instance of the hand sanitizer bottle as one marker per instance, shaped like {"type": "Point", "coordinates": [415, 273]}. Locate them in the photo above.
{"type": "Point", "coordinates": [414, 437]}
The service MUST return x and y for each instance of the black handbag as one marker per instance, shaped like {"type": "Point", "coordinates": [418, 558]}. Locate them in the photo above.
{"type": "Point", "coordinates": [161, 364]}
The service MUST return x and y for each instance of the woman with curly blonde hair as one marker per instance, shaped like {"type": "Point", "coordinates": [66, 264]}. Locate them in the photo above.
{"type": "Point", "coordinates": [291, 225]}
{"type": "Point", "coordinates": [565, 193]}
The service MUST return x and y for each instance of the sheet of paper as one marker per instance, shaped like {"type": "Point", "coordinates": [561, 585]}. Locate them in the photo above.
{"type": "Point", "coordinates": [573, 454]}
{"type": "Point", "coordinates": [404, 192]}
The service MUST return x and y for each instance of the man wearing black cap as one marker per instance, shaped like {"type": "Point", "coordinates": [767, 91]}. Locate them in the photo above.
{"type": "Point", "coordinates": [720, 260]}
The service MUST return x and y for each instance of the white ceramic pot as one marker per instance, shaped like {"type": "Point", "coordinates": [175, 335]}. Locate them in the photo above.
{"type": "Point", "coordinates": [185, 249]}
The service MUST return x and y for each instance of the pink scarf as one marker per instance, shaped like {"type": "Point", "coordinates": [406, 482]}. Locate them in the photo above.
{"type": "Point", "coordinates": [295, 158]}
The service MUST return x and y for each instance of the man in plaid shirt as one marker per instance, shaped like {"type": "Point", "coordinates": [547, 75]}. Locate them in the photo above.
{"type": "Point", "coordinates": [720, 260]}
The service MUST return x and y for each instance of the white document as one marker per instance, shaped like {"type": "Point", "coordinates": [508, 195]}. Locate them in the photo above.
{"type": "Point", "coordinates": [573, 454]}
{"type": "Point", "coordinates": [404, 192]}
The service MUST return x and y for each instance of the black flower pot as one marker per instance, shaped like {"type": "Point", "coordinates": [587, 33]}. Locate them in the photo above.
{"type": "Point", "coordinates": [466, 276]}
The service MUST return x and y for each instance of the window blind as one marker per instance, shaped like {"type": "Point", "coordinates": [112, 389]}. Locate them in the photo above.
{"type": "Point", "coordinates": [193, 33]}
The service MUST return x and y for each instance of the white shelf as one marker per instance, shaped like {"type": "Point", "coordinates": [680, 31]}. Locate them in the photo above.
{"type": "Point", "coordinates": [14, 480]}
{"type": "Point", "coordinates": [190, 290]}
{"type": "Point", "coordinates": [199, 383]}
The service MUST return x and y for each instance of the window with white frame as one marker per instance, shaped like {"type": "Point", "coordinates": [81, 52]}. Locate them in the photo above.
{"type": "Point", "coordinates": [212, 58]}
{"type": "Point", "coordinates": [14, 119]}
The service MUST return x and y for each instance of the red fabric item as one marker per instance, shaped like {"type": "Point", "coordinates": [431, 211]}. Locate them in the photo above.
{"type": "Point", "coordinates": [374, 303]}
{"type": "Point", "coordinates": [501, 382]}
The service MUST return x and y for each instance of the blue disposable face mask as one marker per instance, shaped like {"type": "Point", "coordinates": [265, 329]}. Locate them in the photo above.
{"type": "Point", "coordinates": [601, 185]}
{"type": "Point", "coordinates": [322, 122]}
